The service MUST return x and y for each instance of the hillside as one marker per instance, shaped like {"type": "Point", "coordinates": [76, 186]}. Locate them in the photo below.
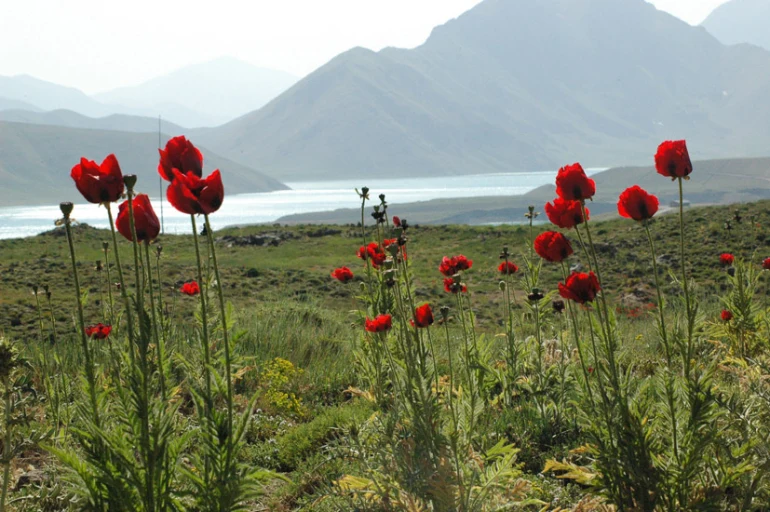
{"type": "Point", "coordinates": [35, 162]}
{"type": "Point", "coordinates": [70, 119]}
{"type": "Point", "coordinates": [741, 21]}
{"type": "Point", "coordinates": [213, 92]}
{"type": "Point", "coordinates": [30, 93]}
{"type": "Point", "coordinates": [514, 85]}
{"type": "Point", "coordinates": [713, 182]}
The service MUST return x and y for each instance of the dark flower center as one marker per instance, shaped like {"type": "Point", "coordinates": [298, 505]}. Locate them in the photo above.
{"type": "Point", "coordinates": [672, 168]}
{"type": "Point", "coordinates": [643, 211]}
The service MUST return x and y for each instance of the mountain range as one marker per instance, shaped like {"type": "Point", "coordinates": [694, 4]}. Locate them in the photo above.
{"type": "Point", "coordinates": [205, 94]}
{"type": "Point", "coordinates": [741, 21]}
{"type": "Point", "coordinates": [514, 85]}
{"type": "Point", "coordinates": [35, 162]}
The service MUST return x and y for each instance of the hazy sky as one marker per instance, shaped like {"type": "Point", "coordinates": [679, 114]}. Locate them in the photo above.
{"type": "Point", "coordinates": [96, 45]}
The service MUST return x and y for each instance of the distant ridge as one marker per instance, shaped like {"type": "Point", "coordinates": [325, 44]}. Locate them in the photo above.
{"type": "Point", "coordinates": [741, 21]}
{"type": "Point", "coordinates": [35, 162]}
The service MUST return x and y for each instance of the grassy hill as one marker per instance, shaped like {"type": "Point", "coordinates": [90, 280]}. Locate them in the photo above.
{"type": "Point", "coordinates": [35, 162]}
{"type": "Point", "coordinates": [514, 85]}
{"type": "Point", "coordinates": [712, 182]}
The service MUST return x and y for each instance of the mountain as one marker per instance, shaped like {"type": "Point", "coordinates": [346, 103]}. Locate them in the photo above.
{"type": "Point", "coordinates": [70, 119]}
{"type": "Point", "coordinates": [35, 162]}
{"type": "Point", "coordinates": [741, 21]}
{"type": "Point", "coordinates": [211, 93]}
{"type": "Point", "coordinates": [514, 85]}
{"type": "Point", "coordinates": [724, 181]}
{"type": "Point", "coordinates": [30, 93]}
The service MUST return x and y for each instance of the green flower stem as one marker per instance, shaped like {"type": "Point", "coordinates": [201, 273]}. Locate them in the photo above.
{"type": "Point", "coordinates": [685, 285]}
{"type": "Point", "coordinates": [109, 282]}
{"type": "Point", "coordinates": [433, 356]}
{"type": "Point", "coordinates": [206, 345]}
{"type": "Point", "coordinates": [667, 345]}
{"type": "Point", "coordinates": [90, 376]}
{"type": "Point", "coordinates": [223, 313]}
{"type": "Point", "coordinates": [158, 337]}
{"type": "Point", "coordinates": [39, 317]}
{"type": "Point", "coordinates": [578, 344]}
{"type": "Point", "coordinates": [7, 447]}
{"type": "Point", "coordinates": [123, 289]}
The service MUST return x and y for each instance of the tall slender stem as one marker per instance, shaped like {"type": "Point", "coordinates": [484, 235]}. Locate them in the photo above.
{"type": "Point", "coordinates": [7, 447]}
{"type": "Point", "coordinates": [105, 247]}
{"type": "Point", "coordinates": [223, 319]}
{"type": "Point", "coordinates": [667, 345]}
{"type": "Point", "coordinates": [123, 289]}
{"type": "Point", "coordinates": [685, 284]}
{"type": "Point", "coordinates": [206, 345]}
{"type": "Point", "coordinates": [90, 377]}
{"type": "Point", "coordinates": [158, 340]}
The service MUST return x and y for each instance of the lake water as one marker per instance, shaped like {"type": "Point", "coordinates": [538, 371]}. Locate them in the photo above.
{"type": "Point", "coordinates": [302, 198]}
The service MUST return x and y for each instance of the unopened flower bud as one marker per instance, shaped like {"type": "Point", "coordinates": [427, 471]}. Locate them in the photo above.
{"type": "Point", "coordinates": [130, 181]}
{"type": "Point", "coordinates": [363, 286]}
{"type": "Point", "coordinates": [502, 285]}
{"type": "Point", "coordinates": [34, 289]}
{"type": "Point", "coordinates": [66, 209]}
{"type": "Point", "coordinates": [98, 267]}
{"type": "Point", "coordinates": [731, 271]}
{"type": "Point", "coordinates": [105, 245]}
{"type": "Point", "coordinates": [444, 310]}
{"type": "Point", "coordinates": [535, 296]}
{"type": "Point", "coordinates": [558, 306]}
{"type": "Point", "coordinates": [382, 197]}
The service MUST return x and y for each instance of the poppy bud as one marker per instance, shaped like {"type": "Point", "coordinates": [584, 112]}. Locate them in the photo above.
{"type": "Point", "coordinates": [105, 245]}
{"type": "Point", "coordinates": [558, 306]}
{"type": "Point", "coordinates": [365, 191]}
{"type": "Point", "coordinates": [130, 181]}
{"type": "Point", "coordinates": [98, 267]}
{"type": "Point", "coordinates": [536, 295]}
{"type": "Point", "coordinates": [504, 254]}
{"type": "Point", "coordinates": [382, 198]}
{"type": "Point", "coordinates": [34, 289]}
{"type": "Point", "coordinates": [731, 271]}
{"type": "Point", "coordinates": [444, 310]}
{"type": "Point", "coordinates": [502, 286]}
{"type": "Point", "coordinates": [159, 249]}
{"type": "Point", "coordinates": [363, 286]}
{"type": "Point", "coordinates": [66, 209]}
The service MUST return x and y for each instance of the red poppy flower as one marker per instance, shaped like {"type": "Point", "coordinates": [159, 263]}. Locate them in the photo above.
{"type": "Point", "coordinates": [389, 241]}
{"type": "Point", "coordinates": [396, 221]}
{"type": "Point", "coordinates": [99, 183]}
{"type": "Point", "coordinates": [180, 154]}
{"type": "Point", "coordinates": [766, 264]}
{"type": "Point", "coordinates": [98, 331]}
{"type": "Point", "coordinates": [342, 275]}
{"type": "Point", "coordinates": [580, 287]}
{"type": "Point", "coordinates": [451, 287]}
{"type": "Point", "coordinates": [673, 159]}
{"type": "Point", "coordinates": [190, 194]}
{"type": "Point", "coordinates": [635, 203]}
{"type": "Point", "coordinates": [145, 220]}
{"type": "Point", "coordinates": [381, 323]}
{"type": "Point", "coordinates": [374, 252]}
{"type": "Point", "coordinates": [726, 259]}
{"type": "Point", "coordinates": [423, 316]}
{"type": "Point", "coordinates": [553, 246]}
{"type": "Point", "coordinates": [565, 214]}
{"type": "Point", "coordinates": [726, 315]}
{"type": "Point", "coordinates": [572, 184]}
{"type": "Point", "coordinates": [508, 267]}
{"type": "Point", "coordinates": [192, 288]}
{"type": "Point", "coordinates": [451, 266]}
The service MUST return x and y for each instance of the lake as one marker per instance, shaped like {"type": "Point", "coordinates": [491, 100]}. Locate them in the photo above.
{"type": "Point", "coordinates": [302, 198]}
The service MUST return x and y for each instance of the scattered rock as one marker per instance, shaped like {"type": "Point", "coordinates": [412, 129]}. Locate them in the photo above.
{"type": "Point", "coordinates": [318, 233]}
{"type": "Point", "coordinates": [33, 476]}
{"type": "Point", "coordinates": [667, 260]}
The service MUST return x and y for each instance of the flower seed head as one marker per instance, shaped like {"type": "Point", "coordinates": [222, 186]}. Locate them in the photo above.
{"type": "Point", "coordinates": [66, 209]}
{"type": "Point", "coordinates": [130, 181]}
